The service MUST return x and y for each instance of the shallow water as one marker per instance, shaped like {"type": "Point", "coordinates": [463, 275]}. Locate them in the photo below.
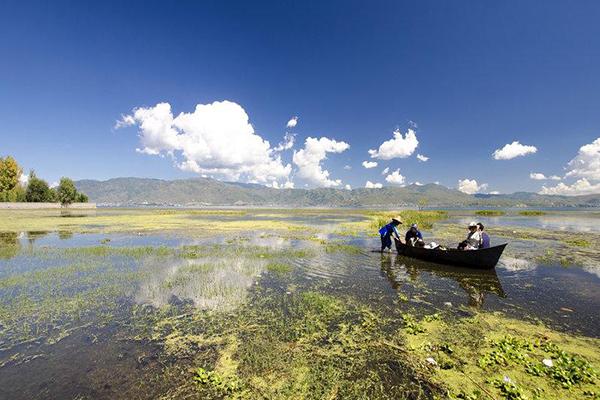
{"type": "Point", "coordinates": [91, 350]}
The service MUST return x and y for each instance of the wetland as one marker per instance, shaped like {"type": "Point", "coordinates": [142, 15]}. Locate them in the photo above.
{"type": "Point", "coordinates": [279, 304]}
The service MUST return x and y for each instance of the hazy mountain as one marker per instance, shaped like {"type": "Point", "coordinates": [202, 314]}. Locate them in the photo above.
{"type": "Point", "coordinates": [204, 191]}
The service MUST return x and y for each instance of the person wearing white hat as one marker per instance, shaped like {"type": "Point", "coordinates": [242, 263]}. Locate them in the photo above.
{"type": "Point", "coordinates": [473, 240]}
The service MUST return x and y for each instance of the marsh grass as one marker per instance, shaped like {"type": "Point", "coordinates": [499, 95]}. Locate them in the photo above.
{"type": "Point", "coordinates": [425, 219]}
{"type": "Point", "coordinates": [532, 213]}
{"type": "Point", "coordinates": [490, 213]}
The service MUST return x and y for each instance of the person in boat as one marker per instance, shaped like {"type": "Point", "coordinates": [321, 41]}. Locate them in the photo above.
{"type": "Point", "coordinates": [473, 240]}
{"type": "Point", "coordinates": [388, 231]}
{"type": "Point", "coordinates": [485, 238]}
{"type": "Point", "coordinates": [414, 237]}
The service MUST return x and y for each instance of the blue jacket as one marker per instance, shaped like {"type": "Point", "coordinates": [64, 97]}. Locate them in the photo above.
{"type": "Point", "coordinates": [389, 228]}
{"type": "Point", "coordinates": [410, 234]}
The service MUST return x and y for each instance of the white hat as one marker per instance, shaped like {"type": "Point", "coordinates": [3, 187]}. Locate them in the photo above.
{"type": "Point", "coordinates": [472, 224]}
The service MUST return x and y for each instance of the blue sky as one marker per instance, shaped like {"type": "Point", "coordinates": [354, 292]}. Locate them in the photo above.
{"type": "Point", "coordinates": [474, 77]}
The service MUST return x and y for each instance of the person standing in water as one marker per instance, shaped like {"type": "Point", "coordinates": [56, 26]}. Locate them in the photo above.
{"type": "Point", "coordinates": [388, 231]}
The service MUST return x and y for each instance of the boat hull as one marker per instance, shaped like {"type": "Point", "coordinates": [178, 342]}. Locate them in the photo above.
{"type": "Point", "coordinates": [477, 259]}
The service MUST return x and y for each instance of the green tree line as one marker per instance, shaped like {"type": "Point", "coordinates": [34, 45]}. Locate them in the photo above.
{"type": "Point", "coordinates": [36, 189]}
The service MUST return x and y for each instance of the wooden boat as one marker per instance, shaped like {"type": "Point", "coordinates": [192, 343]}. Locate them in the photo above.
{"type": "Point", "coordinates": [479, 259]}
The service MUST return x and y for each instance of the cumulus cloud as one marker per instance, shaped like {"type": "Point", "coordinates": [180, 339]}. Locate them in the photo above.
{"type": "Point", "coordinates": [494, 192]}
{"type": "Point", "coordinates": [512, 150]}
{"type": "Point", "coordinates": [371, 185]}
{"type": "Point", "coordinates": [422, 158]}
{"type": "Point", "coordinates": [23, 179]}
{"type": "Point", "coordinates": [470, 186]}
{"type": "Point", "coordinates": [288, 142]}
{"type": "Point", "coordinates": [395, 178]}
{"type": "Point", "coordinates": [369, 164]}
{"type": "Point", "coordinates": [215, 139]}
{"type": "Point", "coordinates": [348, 187]}
{"type": "Point", "coordinates": [347, 167]}
{"type": "Point", "coordinates": [537, 176]}
{"type": "Point", "coordinates": [285, 185]}
{"type": "Point", "coordinates": [581, 187]}
{"type": "Point", "coordinates": [398, 147]}
{"type": "Point", "coordinates": [587, 162]}
{"type": "Point", "coordinates": [385, 171]}
{"type": "Point", "coordinates": [292, 122]}
{"type": "Point", "coordinates": [308, 160]}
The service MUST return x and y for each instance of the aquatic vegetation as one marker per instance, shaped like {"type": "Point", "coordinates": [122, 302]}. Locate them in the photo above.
{"type": "Point", "coordinates": [490, 213]}
{"type": "Point", "coordinates": [522, 359]}
{"type": "Point", "coordinates": [577, 242]}
{"type": "Point", "coordinates": [532, 213]}
{"type": "Point", "coordinates": [425, 219]}
{"type": "Point", "coordinates": [333, 247]}
{"type": "Point", "coordinates": [279, 268]}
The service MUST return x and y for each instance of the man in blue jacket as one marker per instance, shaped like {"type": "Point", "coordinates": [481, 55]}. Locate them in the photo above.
{"type": "Point", "coordinates": [413, 236]}
{"type": "Point", "coordinates": [388, 231]}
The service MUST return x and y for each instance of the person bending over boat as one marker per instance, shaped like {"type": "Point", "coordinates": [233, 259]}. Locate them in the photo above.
{"type": "Point", "coordinates": [414, 237]}
{"type": "Point", "coordinates": [485, 238]}
{"type": "Point", "coordinates": [389, 231]}
{"type": "Point", "coordinates": [473, 240]}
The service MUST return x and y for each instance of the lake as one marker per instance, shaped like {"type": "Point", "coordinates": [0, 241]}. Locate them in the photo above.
{"type": "Point", "coordinates": [119, 303]}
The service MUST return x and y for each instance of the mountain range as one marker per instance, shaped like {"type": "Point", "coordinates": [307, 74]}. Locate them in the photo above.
{"type": "Point", "coordinates": [209, 192]}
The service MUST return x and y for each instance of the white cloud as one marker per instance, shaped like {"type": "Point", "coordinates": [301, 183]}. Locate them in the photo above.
{"type": "Point", "coordinates": [309, 160]}
{"type": "Point", "coordinates": [537, 176]}
{"type": "Point", "coordinates": [371, 185]}
{"type": "Point", "coordinates": [581, 187]}
{"type": "Point", "coordinates": [285, 185]}
{"type": "Point", "coordinates": [348, 187]}
{"type": "Point", "coordinates": [215, 139]}
{"type": "Point", "coordinates": [470, 186]}
{"type": "Point", "coordinates": [417, 183]}
{"type": "Point", "coordinates": [422, 158]}
{"type": "Point", "coordinates": [125, 121]}
{"type": "Point", "coordinates": [397, 147]}
{"type": "Point", "coordinates": [369, 164]}
{"type": "Point", "coordinates": [54, 184]}
{"type": "Point", "coordinates": [494, 192]}
{"type": "Point", "coordinates": [23, 179]}
{"type": "Point", "coordinates": [512, 150]}
{"type": "Point", "coordinates": [292, 122]}
{"type": "Point", "coordinates": [385, 171]}
{"type": "Point", "coordinates": [395, 178]}
{"type": "Point", "coordinates": [587, 162]}
{"type": "Point", "coordinates": [288, 142]}
{"type": "Point", "coordinates": [347, 167]}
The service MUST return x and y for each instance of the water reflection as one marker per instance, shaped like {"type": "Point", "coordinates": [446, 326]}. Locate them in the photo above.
{"type": "Point", "coordinates": [210, 283]}
{"type": "Point", "coordinates": [476, 283]}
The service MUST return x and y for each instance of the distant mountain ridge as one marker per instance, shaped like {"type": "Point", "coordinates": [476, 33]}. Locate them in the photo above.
{"type": "Point", "coordinates": [210, 192]}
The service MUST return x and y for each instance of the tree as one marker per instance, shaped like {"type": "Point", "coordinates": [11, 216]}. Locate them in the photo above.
{"type": "Point", "coordinates": [10, 172]}
{"type": "Point", "coordinates": [82, 198]}
{"type": "Point", "coordinates": [67, 193]}
{"type": "Point", "coordinates": [38, 190]}
{"type": "Point", "coordinates": [422, 203]}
